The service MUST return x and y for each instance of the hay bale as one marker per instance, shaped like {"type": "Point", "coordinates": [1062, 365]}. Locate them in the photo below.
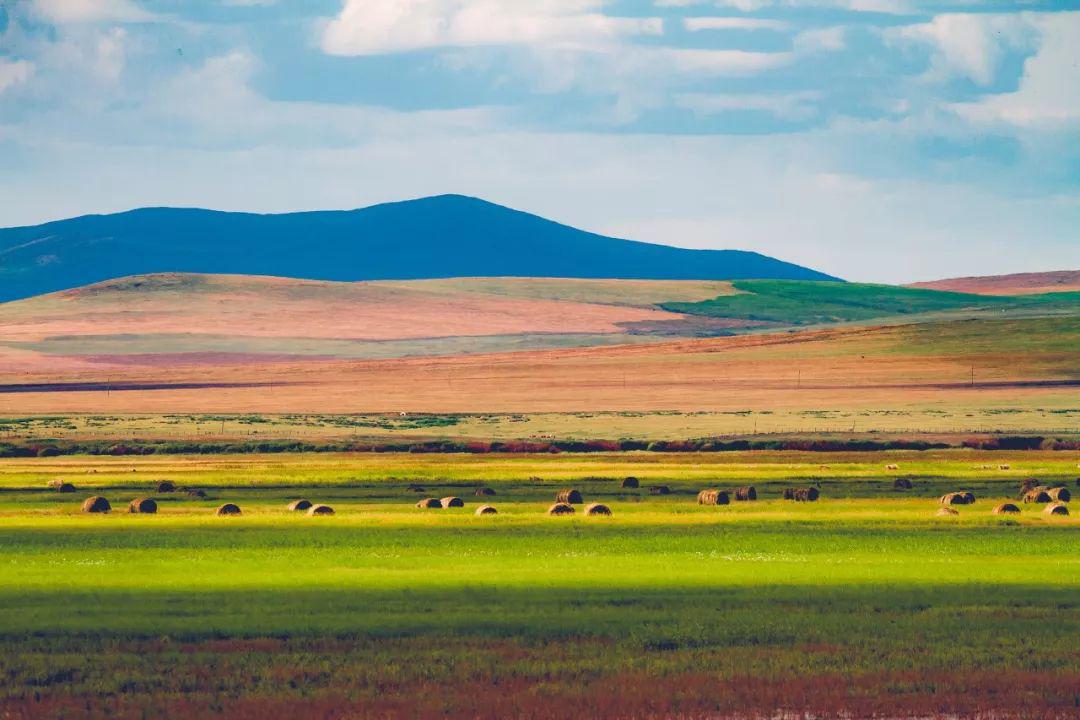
{"type": "Point", "coordinates": [806, 494]}
{"type": "Point", "coordinates": [449, 502]}
{"type": "Point", "coordinates": [659, 490]}
{"type": "Point", "coordinates": [969, 497]}
{"type": "Point", "coordinates": [1056, 509]}
{"type": "Point", "coordinates": [1006, 509]}
{"type": "Point", "coordinates": [947, 511]}
{"type": "Point", "coordinates": [484, 492]}
{"type": "Point", "coordinates": [1003, 467]}
{"type": "Point", "coordinates": [747, 492]}
{"type": "Point", "coordinates": [597, 509]}
{"type": "Point", "coordinates": [569, 496]}
{"type": "Point", "coordinates": [61, 487]}
{"type": "Point", "coordinates": [892, 467]}
{"type": "Point", "coordinates": [196, 493]}
{"type": "Point", "coordinates": [429, 504]}
{"type": "Point", "coordinates": [630, 482]}
{"type": "Point", "coordinates": [165, 486]}
{"type": "Point", "coordinates": [713, 497]}
{"type": "Point", "coordinates": [561, 508]}
{"type": "Point", "coordinates": [96, 504]}
{"type": "Point", "coordinates": [788, 493]}
{"type": "Point", "coordinates": [228, 509]}
{"type": "Point", "coordinates": [486, 510]}
{"type": "Point", "coordinates": [315, 510]}
{"type": "Point", "coordinates": [901, 484]}
{"type": "Point", "coordinates": [1059, 494]}
{"type": "Point", "coordinates": [1037, 495]}
{"type": "Point", "coordinates": [143, 505]}
{"type": "Point", "coordinates": [954, 498]}
{"type": "Point", "coordinates": [299, 505]}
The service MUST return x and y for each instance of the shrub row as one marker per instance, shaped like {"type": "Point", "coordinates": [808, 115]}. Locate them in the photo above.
{"type": "Point", "coordinates": [167, 447]}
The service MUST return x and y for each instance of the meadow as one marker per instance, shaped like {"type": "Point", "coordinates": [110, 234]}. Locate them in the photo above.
{"type": "Point", "coordinates": [864, 602]}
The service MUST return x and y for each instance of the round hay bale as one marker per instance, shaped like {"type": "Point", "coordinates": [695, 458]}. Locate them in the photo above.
{"type": "Point", "coordinates": [484, 492]}
{"type": "Point", "coordinates": [413, 487]}
{"type": "Point", "coordinates": [789, 493]}
{"type": "Point", "coordinates": [1006, 509]}
{"type": "Point", "coordinates": [429, 504]}
{"type": "Point", "coordinates": [561, 508]}
{"type": "Point", "coordinates": [61, 486]}
{"type": "Point", "coordinates": [630, 482]}
{"type": "Point", "coordinates": [747, 492]}
{"type": "Point", "coordinates": [969, 497]}
{"type": "Point", "coordinates": [569, 496]}
{"type": "Point", "coordinates": [713, 497]}
{"type": "Point", "coordinates": [1037, 495]}
{"type": "Point", "coordinates": [143, 505]}
{"type": "Point", "coordinates": [597, 509]}
{"type": "Point", "coordinates": [811, 494]}
{"type": "Point", "coordinates": [196, 493]}
{"type": "Point", "coordinates": [165, 486]}
{"type": "Point", "coordinates": [486, 510]}
{"type": "Point", "coordinates": [1059, 494]}
{"type": "Point", "coordinates": [659, 490]}
{"type": "Point", "coordinates": [901, 484]}
{"type": "Point", "coordinates": [299, 505]}
{"type": "Point", "coordinates": [1056, 509]}
{"type": "Point", "coordinates": [449, 502]}
{"type": "Point", "coordinates": [96, 504]}
{"type": "Point", "coordinates": [947, 511]}
{"type": "Point", "coordinates": [228, 509]}
{"type": "Point", "coordinates": [315, 510]}
{"type": "Point", "coordinates": [953, 498]}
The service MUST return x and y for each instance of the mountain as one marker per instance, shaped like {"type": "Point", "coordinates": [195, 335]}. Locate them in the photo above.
{"type": "Point", "coordinates": [1016, 284]}
{"type": "Point", "coordinates": [436, 237]}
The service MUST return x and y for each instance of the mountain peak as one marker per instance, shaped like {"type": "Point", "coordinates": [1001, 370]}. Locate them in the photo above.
{"type": "Point", "coordinates": [432, 237]}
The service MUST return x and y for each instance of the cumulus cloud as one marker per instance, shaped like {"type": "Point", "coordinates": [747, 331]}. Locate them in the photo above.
{"type": "Point", "coordinates": [1049, 91]}
{"type": "Point", "coordinates": [968, 45]}
{"type": "Point", "coordinates": [14, 72]}
{"type": "Point", "coordinates": [368, 27]}
{"type": "Point", "coordinates": [90, 11]}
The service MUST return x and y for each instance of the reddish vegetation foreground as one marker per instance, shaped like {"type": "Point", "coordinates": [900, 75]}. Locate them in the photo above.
{"type": "Point", "coordinates": [280, 687]}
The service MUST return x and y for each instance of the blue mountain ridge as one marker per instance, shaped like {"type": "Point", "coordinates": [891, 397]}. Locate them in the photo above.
{"type": "Point", "coordinates": [434, 237]}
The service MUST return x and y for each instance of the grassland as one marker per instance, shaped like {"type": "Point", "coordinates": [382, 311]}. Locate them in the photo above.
{"type": "Point", "coordinates": [863, 602]}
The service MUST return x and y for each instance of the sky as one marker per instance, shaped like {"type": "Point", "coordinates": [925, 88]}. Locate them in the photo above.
{"type": "Point", "coordinates": [876, 140]}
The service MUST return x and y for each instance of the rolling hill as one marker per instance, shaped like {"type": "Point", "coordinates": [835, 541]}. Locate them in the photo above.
{"type": "Point", "coordinates": [1015, 284]}
{"type": "Point", "coordinates": [436, 237]}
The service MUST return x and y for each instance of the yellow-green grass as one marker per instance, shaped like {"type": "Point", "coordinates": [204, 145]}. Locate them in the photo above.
{"type": "Point", "coordinates": [864, 602]}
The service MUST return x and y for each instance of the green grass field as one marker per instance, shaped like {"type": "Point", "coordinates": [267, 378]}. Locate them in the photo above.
{"type": "Point", "coordinates": [864, 602]}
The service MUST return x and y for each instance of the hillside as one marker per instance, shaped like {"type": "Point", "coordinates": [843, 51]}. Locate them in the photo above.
{"type": "Point", "coordinates": [1016, 284]}
{"type": "Point", "coordinates": [437, 237]}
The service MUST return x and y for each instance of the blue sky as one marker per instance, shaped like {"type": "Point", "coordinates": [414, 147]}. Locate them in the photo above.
{"type": "Point", "coordinates": [882, 140]}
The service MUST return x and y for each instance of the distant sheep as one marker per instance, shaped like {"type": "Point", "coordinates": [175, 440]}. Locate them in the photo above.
{"type": "Point", "coordinates": [892, 467]}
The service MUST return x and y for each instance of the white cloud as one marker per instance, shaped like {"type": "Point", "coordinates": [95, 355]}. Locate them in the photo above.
{"type": "Point", "coordinates": [788, 106]}
{"type": "Point", "coordinates": [14, 72]}
{"type": "Point", "coordinates": [90, 11]}
{"type": "Point", "coordinates": [1049, 91]}
{"type": "Point", "coordinates": [368, 27]}
{"type": "Point", "coordinates": [892, 7]}
{"type": "Point", "coordinates": [696, 24]}
{"type": "Point", "coordinates": [968, 45]}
